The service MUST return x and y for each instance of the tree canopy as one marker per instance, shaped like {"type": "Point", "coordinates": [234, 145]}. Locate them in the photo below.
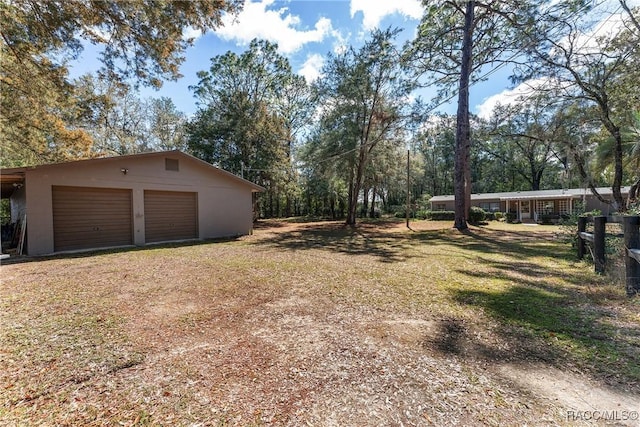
{"type": "Point", "coordinates": [337, 147]}
{"type": "Point", "coordinates": [142, 40]}
{"type": "Point", "coordinates": [364, 107]}
{"type": "Point", "coordinates": [251, 107]}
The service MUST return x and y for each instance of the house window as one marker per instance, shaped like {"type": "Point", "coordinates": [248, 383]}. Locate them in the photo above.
{"type": "Point", "coordinates": [439, 206]}
{"type": "Point", "coordinates": [171, 165]}
{"type": "Point", "coordinates": [563, 207]}
{"type": "Point", "coordinates": [490, 206]}
{"type": "Point", "coordinates": [544, 206]}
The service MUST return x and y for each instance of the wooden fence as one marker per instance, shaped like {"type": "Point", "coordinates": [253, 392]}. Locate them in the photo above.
{"type": "Point", "coordinates": [630, 226]}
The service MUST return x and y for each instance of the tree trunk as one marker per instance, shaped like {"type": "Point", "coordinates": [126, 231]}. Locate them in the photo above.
{"type": "Point", "coordinates": [270, 203]}
{"type": "Point", "coordinates": [621, 206]}
{"type": "Point", "coordinates": [462, 190]}
{"type": "Point", "coordinates": [537, 178]}
{"type": "Point", "coordinates": [634, 194]}
{"type": "Point", "coordinates": [287, 209]}
{"type": "Point", "coordinates": [373, 203]}
{"type": "Point", "coordinates": [332, 207]}
{"type": "Point", "coordinates": [352, 206]}
{"type": "Point", "coordinates": [467, 173]}
{"type": "Point", "coordinates": [365, 201]}
{"type": "Point", "coordinates": [354, 189]}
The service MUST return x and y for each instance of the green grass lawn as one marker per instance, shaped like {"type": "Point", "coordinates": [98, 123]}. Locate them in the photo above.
{"type": "Point", "coordinates": [310, 322]}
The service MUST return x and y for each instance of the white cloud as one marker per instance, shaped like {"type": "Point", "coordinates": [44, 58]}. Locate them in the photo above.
{"type": "Point", "coordinates": [191, 33]}
{"type": "Point", "coordinates": [311, 67]}
{"type": "Point", "coordinates": [510, 96]}
{"type": "Point", "coordinates": [375, 10]}
{"type": "Point", "coordinates": [278, 26]}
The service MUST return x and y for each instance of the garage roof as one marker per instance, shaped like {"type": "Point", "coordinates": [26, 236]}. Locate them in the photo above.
{"type": "Point", "coordinates": [11, 178]}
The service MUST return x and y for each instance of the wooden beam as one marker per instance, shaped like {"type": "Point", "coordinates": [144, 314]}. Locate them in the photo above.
{"type": "Point", "coordinates": [11, 177]}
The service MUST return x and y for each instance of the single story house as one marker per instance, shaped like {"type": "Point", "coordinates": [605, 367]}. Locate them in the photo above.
{"type": "Point", "coordinates": [531, 205]}
{"type": "Point", "coordinates": [126, 200]}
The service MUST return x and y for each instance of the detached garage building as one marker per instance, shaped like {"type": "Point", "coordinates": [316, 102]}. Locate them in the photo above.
{"type": "Point", "coordinates": [126, 200]}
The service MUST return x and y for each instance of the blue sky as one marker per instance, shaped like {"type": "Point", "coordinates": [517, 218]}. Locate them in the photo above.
{"type": "Point", "coordinates": [305, 31]}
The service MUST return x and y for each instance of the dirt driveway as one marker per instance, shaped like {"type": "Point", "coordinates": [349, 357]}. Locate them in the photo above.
{"type": "Point", "coordinates": [308, 324]}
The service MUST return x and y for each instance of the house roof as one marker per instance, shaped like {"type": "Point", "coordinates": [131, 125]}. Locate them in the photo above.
{"type": "Point", "coordinates": [12, 177]}
{"type": "Point", "coordinates": [561, 193]}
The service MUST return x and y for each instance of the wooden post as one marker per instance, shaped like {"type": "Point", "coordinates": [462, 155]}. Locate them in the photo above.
{"type": "Point", "coordinates": [582, 227]}
{"type": "Point", "coordinates": [632, 265]}
{"type": "Point", "coordinates": [408, 188]}
{"type": "Point", "coordinates": [599, 228]}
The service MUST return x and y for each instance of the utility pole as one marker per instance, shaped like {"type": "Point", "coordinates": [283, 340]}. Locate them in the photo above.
{"type": "Point", "coordinates": [408, 189]}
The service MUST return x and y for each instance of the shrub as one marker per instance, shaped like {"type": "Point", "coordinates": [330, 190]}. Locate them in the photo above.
{"type": "Point", "coordinates": [423, 214]}
{"type": "Point", "coordinates": [443, 215]}
{"type": "Point", "coordinates": [498, 216]}
{"type": "Point", "coordinates": [423, 202]}
{"type": "Point", "coordinates": [569, 223]}
{"type": "Point", "coordinates": [490, 216]}
{"type": "Point", "coordinates": [395, 209]}
{"type": "Point", "coordinates": [511, 217]}
{"type": "Point", "coordinates": [548, 219]}
{"type": "Point", "coordinates": [476, 215]}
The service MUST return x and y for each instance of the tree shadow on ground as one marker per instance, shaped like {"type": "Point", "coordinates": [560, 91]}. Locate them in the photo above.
{"type": "Point", "coordinates": [391, 246]}
{"type": "Point", "coordinates": [553, 316]}
{"type": "Point", "coordinates": [339, 238]}
{"type": "Point", "coordinates": [548, 325]}
{"type": "Point", "coordinates": [559, 317]}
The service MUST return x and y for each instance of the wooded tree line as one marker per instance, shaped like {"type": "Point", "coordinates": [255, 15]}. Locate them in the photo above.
{"type": "Point", "coordinates": [338, 146]}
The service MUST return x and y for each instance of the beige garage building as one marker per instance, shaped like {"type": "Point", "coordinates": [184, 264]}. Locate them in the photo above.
{"type": "Point", "coordinates": [126, 200]}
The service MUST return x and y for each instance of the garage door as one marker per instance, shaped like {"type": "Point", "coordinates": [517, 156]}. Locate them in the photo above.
{"type": "Point", "coordinates": [170, 215]}
{"type": "Point", "coordinates": [87, 218]}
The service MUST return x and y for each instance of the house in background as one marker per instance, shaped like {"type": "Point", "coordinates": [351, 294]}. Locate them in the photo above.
{"type": "Point", "coordinates": [127, 200]}
{"type": "Point", "coordinates": [532, 205]}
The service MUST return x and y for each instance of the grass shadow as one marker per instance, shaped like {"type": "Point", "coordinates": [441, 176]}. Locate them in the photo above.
{"type": "Point", "coordinates": [554, 326]}
{"type": "Point", "coordinates": [558, 316]}
{"type": "Point", "coordinates": [340, 238]}
{"type": "Point", "coordinates": [123, 249]}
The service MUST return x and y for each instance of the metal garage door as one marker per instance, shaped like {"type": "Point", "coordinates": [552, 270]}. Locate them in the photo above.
{"type": "Point", "coordinates": [87, 218]}
{"type": "Point", "coordinates": [170, 215]}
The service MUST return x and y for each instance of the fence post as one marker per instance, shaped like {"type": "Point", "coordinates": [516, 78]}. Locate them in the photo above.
{"type": "Point", "coordinates": [582, 227]}
{"type": "Point", "coordinates": [599, 228]}
{"type": "Point", "coordinates": [632, 241]}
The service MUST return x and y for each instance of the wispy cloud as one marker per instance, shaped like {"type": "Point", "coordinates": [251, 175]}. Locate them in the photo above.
{"type": "Point", "coordinates": [374, 11]}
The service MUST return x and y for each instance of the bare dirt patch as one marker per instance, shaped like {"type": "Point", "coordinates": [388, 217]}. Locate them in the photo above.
{"type": "Point", "coordinates": [315, 324]}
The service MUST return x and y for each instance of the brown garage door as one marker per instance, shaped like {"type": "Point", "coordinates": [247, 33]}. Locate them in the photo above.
{"type": "Point", "coordinates": [170, 215]}
{"type": "Point", "coordinates": [87, 218]}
